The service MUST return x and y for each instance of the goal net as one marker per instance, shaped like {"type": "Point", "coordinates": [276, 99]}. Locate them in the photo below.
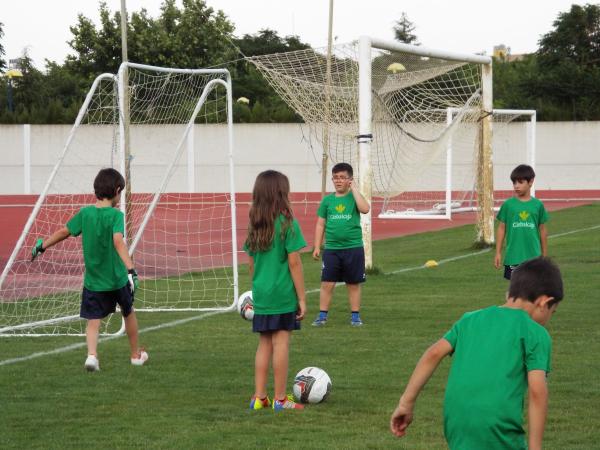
{"type": "Point", "coordinates": [151, 124]}
{"type": "Point", "coordinates": [452, 177]}
{"type": "Point", "coordinates": [381, 107]}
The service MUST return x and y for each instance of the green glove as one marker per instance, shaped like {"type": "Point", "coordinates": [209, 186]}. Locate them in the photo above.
{"type": "Point", "coordinates": [38, 249]}
{"type": "Point", "coordinates": [133, 280]}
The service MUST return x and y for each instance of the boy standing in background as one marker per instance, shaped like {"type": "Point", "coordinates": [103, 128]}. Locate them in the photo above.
{"type": "Point", "coordinates": [344, 255]}
{"type": "Point", "coordinates": [522, 222]}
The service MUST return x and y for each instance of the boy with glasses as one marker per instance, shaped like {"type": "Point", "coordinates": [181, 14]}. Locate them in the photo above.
{"type": "Point", "coordinates": [344, 256]}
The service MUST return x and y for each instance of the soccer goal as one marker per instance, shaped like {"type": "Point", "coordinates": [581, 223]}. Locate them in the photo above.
{"type": "Point", "coordinates": [449, 184]}
{"type": "Point", "coordinates": [381, 106]}
{"type": "Point", "coordinates": [182, 239]}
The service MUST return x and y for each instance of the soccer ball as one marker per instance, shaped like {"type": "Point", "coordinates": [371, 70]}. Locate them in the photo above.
{"type": "Point", "coordinates": [245, 306]}
{"type": "Point", "coordinates": [312, 385]}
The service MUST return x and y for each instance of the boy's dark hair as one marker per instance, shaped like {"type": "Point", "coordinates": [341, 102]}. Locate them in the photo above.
{"type": "Point", "coordinates": [536, 277]}
{"type": "Point", "coordinates": [108, 183]}
{"type": "Point", "coordinates": [343, 167]}
{"type": "Point", "coordinates": [522, 172]}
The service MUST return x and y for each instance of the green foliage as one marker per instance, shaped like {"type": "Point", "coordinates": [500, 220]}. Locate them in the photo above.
{"type": "Point", "coordinates": [562, 79]}
{"type": "Point", "coordinates": [265, 104]}
{"type": "Point", "coordinates": [403, 31]}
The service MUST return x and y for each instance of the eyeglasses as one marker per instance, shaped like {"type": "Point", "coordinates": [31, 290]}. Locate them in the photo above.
{"type": "Point", "coordinates": [340, 178]}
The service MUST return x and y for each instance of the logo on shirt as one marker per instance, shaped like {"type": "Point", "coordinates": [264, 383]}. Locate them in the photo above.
{"type": "Point", "coordinates": [523, 215]}
{"type": "Point", "coordinates": [340, 208]}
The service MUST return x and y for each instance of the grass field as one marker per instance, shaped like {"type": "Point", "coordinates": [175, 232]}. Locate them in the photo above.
{"type": "Point", "coordinates": [195, 389]}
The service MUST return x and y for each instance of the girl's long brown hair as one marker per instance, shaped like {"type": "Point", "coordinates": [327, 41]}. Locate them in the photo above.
{"type": "Point", "coordinates": [269, 199]}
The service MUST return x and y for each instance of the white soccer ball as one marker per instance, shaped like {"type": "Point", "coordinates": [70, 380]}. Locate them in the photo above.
{"type": "Point", "coordinates": [312, 385]}
{"type": "Point", "coordinates": [245, 305]}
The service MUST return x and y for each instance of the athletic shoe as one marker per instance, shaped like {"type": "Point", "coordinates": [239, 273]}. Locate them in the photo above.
{"type": "Point", "coordinates": [258, 403]}
{"type": "Point", "coordinates": [287, 403]}
{"type": "Point", "coordinates": [91, 364]}
{"type": "Point", "coordinates": [320, 321]}
{"type": "Point", "coordinates": [141, 359]}
{"type": "Point", "coordinates": [356, 322]}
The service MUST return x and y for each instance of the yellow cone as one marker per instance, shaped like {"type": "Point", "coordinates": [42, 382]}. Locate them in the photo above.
{"type": "Point", "coordinates": [431, 263]}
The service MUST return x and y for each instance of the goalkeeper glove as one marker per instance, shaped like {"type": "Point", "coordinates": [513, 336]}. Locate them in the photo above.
{"type": "Point", "coordinates": [133, 280]}
{"type": "Point", "coordinates": [38, 249]}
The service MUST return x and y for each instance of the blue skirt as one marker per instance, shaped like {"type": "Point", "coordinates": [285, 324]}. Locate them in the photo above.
{"type": "Point", "coordinates": [262, 323]}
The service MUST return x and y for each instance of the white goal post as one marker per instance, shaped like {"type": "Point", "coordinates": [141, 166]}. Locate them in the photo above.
{"type": "Point", "coordinates": [356, 102]}
{"type": "Point", "coordinates": [183, 243]}
{"type": "Point", "coordinates": [455, 171]}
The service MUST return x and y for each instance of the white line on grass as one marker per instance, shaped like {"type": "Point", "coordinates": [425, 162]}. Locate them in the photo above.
{"type": "Point", "coordinates": [485, 250]}
{"type": "Point", "coordinates": [212, 313]}
{"type": "Point", "coordinates": [68, 348]}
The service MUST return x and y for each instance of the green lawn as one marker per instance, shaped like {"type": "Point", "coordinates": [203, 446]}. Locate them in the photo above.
{"type": "Point", "coordinates": [195, 389]}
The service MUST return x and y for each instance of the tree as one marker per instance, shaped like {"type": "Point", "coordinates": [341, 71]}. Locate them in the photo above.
{"type": "Point", "coordinates": [569, 65]}
{"type": "Point", "coordinates": [192, 36]}
{"type": "Point", "coordinates": [266, 105]}
{"type": "Point", "coordinates": [403, 30]}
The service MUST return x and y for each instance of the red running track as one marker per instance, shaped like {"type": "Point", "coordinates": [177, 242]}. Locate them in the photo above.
{"type": "Point", "coordinates": [15, 209]}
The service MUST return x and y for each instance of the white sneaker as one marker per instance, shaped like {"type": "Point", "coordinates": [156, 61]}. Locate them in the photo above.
{"type": "Point", "coordinates": [92, 364]}
{"type": "Point", "coordinates": [141, 360]}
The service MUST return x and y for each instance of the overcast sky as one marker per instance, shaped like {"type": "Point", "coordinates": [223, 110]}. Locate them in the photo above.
{"type": "Point", "coordinates": [457, 25]}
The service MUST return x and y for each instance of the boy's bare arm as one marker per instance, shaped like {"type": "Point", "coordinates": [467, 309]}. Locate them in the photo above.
{"type": "Point", "coordinates": [319, 232]}
{"type": "Point", "coordinates": [403, 414]}
{"type": "Point", "coordinates": [295, 265]}
{"type": "Point", "coordinates": [361, 203]}
{"type": "Point", "coordinates": [42, 245]}
{"type": "Point", "coordinates": [544, 239]}
{"type": "Point", "coordinates": [499, 241]}
{"type": "Point", "coordinates": [56, 237]}
{"type": "Point", "coordinates": [538, 407]}
{"type": "Point", "coordinates": [122, 251]}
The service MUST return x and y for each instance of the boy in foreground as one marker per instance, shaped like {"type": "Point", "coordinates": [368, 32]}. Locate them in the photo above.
{"type": "Point", "coordinates": [498, 354]}
{"type": "Point", "coordinates": [344, 255]}
{"type": "Point", "coordinates": [522, 222]}
{"type": "Point", "coordinates": [109, 274]}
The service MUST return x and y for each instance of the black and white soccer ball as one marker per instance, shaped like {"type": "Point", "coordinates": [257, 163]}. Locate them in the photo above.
{"type": "Point", "coordinates": [312, 385]}
{"type": "Point", "coordinates": [245, 305]}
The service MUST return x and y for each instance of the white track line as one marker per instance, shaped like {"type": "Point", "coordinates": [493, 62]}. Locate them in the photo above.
{"type": "Point", "coordinates": [212, 313]}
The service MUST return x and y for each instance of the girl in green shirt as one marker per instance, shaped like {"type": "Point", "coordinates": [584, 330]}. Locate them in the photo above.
{"type": "Point", "coordinates": [273, 243]}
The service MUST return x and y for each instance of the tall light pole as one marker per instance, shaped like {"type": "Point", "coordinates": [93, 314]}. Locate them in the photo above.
{"type": "Point", "coordinates": [325, 157]}
{"type": "Point", "coordinates": [125, 108]}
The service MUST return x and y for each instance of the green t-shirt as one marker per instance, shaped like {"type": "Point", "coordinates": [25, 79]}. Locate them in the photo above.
{"type": "Point", "coordinates": [104, 269]}
{"type": "Point", "coordinates": [494, 349]}
{"type": "Point", "coordinates": [273, 290]}
{"type": "Point", "coordinates": [522, 235]}
{"type": "Point", "coordinates": [342, 222]}
{"type": "Point", "coordinates": [522, 220]}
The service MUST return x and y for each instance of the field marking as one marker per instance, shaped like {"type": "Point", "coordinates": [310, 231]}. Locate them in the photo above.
{"type": "Point", "coordinates": [485, 250]}
{"type": "Point", "coordinates": [78, 345]}
{"type": "Point", "coordinates": [213, 313]}
{"type": "Point", "coordinates": [566, 233]}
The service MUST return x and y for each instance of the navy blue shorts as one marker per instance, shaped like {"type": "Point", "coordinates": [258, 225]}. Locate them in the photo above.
{"type": "Point", "coordinates": [346, 265]}
{"type": "Point", "coordinates": [98, 305]}
{"type": "Point", "coordinates": [263, 323]}
{"type": "Point", "coordinates": [508, 270]}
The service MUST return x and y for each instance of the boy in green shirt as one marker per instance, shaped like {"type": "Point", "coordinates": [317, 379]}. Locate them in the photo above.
{"type": "Point", "coordinates": [498, 353]}
{"type": "Point", "coordinates": [110, 278]}
{"type": "Point", "coordinates": [344, 254]}
{"type": "Point", "coordinates": [522, 221]}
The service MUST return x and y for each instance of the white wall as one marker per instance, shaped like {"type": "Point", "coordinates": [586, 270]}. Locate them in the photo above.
{"type": "Point", "coordinates": [568, 155]}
